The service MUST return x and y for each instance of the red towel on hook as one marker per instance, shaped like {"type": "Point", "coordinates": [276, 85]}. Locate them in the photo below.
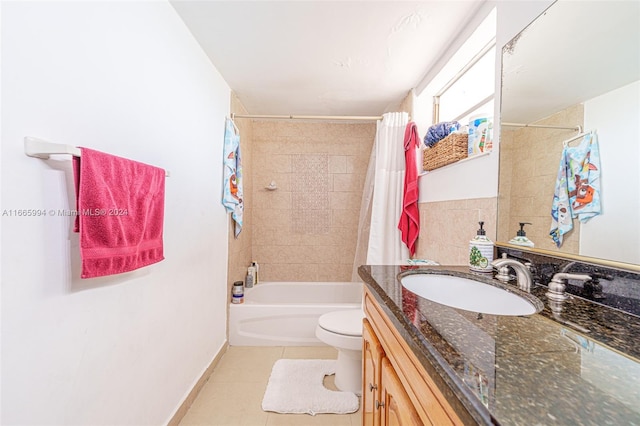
{"type": "Point", "coordinates": [410, 218]}
{"type": "Point", "coordinates": [120, 213]}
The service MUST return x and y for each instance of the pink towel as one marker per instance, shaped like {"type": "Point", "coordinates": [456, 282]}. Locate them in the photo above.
{"type": "Point", "coordinates": [120, 213]}
{"type": "Point", "coordinates": [410, 218]}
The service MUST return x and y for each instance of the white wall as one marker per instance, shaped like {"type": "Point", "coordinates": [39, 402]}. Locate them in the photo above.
{"type": "Point", "coordinates": [478, 177]}
{"type": "Point", "coordinates": [125, 78]}
{"type": "Point", "coordinates": [615, 117]}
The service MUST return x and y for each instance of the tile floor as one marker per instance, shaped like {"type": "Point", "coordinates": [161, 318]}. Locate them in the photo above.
{"type": "Point", "coordinates": [233, 394]}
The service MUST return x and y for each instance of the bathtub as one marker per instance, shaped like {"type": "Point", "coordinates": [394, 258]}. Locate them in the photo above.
{"type": "Point", "coordinates": [286, 313]}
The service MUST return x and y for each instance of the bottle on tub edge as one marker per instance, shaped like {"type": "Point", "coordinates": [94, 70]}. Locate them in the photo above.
{"type": "Point", "coordinates": [481, 252]}
{"type": "Point", "coordinates": [251, 277]}
{"type": "Point", "coordinates": [256, 276]}
{"type": "Point", "coordinates": [237, 292]}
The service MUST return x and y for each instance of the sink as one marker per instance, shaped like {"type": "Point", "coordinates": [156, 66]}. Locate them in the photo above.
{"type": "Point", "coordinates": [468, 294]}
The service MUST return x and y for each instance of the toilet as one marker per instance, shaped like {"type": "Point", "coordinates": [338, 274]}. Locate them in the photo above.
{"type": "Point", "coordinates": [343, 330]}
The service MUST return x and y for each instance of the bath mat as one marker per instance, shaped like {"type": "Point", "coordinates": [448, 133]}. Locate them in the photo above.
{"type": "Point", "coordinates": [295, 386]}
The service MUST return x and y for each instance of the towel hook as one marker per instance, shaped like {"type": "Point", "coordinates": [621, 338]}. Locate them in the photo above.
{"type": "Point", "coordinates": [580, 134]}
{"type": "Point", "coordinates": [233, 114]}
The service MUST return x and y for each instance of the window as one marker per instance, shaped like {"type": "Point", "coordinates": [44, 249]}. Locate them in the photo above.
{"type": "Point", "coordinates": [470, 93]}
{"type": "Point", "coordinates": [465, 85]}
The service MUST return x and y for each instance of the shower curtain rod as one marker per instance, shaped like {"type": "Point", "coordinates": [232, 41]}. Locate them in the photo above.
{"type": "Point", "coordinates": [543, 126]}
{"type": "Point", "coordinates": [308, 117]}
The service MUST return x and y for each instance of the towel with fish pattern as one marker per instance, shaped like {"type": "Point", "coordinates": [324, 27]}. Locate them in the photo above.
{"type": "Point", "coordinates": [577, 191]}
{"type": "Point", "coordinates": [232, 193]}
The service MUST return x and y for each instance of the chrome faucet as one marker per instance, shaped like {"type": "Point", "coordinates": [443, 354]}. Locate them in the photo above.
{"type": "Point", "coordinates": [591, 289]}
{"type": "Point", "coordinates": [557, 296]}
{"type": "Point", "coordinates": [523, 274]}
{"type": "Point", "coordinates": [557, 285]}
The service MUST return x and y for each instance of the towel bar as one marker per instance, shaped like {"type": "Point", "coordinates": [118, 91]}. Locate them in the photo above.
{"type": "Point", "coordinates": [39, 148]}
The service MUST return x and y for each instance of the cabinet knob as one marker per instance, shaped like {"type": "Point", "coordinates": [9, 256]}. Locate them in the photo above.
{"type": "Point", "coordinates": [379, 404]}
{"type": "Point", "coordinates": [372, 387]}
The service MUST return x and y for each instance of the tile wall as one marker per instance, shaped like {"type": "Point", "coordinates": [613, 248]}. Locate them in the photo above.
{"type": "Point", "coordinates": [529, 159]}
{"type": "Point", "coordinates": [447, 226]}
{"type": "Point", "coordinates": [306, 229]}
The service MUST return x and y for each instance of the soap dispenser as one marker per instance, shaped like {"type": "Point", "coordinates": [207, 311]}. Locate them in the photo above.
{"type": "Point", "coordinates": [481, 252]}
{"type": "Point", "coordinates": [521, 237]}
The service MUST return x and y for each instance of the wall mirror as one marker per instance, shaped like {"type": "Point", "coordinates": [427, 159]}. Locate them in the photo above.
{"type": "Point", "coordinates": [577, 64]}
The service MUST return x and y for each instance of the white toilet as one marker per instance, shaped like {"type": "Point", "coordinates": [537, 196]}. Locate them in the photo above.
{"type": "Point", "coordinates": [343, 330]}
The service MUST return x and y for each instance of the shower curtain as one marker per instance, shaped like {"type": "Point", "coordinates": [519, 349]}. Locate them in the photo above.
{"type": "Point", "coordinates": [379, 239]}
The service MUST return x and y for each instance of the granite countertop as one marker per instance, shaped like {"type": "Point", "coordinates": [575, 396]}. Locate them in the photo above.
{"type": "Point", "coordinates": [579, 367]}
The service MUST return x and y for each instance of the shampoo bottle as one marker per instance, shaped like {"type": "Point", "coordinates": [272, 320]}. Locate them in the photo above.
{"type": "Point", "coordinates": [251, 276]}
{"type": "Point", "coordinates": [481, 252]}
{"type": "Point", "coordinates": [256, 278]}
{"type": "Point", "coordinates": [521, 237]}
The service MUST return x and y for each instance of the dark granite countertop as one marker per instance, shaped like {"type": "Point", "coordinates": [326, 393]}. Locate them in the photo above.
{"type": "Point", "coordinates": [579, 367]}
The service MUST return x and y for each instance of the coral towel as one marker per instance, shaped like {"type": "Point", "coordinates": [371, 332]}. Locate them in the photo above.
{"type": "Point", "coordinates": [410, 218]}
{"type": "Point", "coordinates": [120, 213]}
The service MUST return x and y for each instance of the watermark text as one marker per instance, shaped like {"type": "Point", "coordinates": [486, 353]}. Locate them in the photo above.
{"type": "Point", "coordinates": [64, 212]}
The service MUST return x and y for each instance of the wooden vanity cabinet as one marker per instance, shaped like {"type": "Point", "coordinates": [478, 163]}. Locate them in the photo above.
{"type": "Point", "coordinates": [384, 401]}
{"type": "Point", "coordinates": [396, 406]}
{"type": "Point", "coordinates": [396, 388]}
{"type": "Point", "coordinates": [372, 355]}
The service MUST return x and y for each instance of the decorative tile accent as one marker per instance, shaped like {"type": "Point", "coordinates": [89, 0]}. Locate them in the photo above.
{"type": "Point", "coordinates": [310, 206]}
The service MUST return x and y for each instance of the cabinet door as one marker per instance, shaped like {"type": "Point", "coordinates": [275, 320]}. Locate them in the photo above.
{"type": "Point", "coordinates": [397, 408]}
{"type": "Point", "coordinates": [372, 354]}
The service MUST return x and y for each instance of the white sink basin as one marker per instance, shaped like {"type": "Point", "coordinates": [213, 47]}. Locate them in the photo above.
{"type": "Point", "coordinates": [470, 295]}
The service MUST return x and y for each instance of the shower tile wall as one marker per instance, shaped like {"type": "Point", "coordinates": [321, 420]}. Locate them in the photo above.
{"type": "Point", "coordinates": [526, 192]}
{"type": "Point", "coordinates": [306, 230]}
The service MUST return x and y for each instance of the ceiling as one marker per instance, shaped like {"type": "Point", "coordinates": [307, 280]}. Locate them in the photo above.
{"type": "Point", "coordinates": [324, 57]}
{"type": "Point", "coordinates": [573, 52]}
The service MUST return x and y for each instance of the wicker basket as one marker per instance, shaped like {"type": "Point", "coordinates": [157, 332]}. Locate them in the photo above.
{"type": "Point", "coordinates": [449, 150]}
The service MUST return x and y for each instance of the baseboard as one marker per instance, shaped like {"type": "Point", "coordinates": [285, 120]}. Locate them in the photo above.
{"type": "Point", "coordinates": [193, 394]}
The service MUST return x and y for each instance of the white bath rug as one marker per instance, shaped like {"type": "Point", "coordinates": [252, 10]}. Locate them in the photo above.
{"type": "Point", "coordinates": [295, 386]}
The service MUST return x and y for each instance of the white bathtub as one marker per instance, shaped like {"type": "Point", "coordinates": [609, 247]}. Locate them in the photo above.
{"type": "Point", "coordinates": [286, 313]}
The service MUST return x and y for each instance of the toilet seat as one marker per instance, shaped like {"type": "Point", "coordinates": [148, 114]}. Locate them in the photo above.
{"type": "Point", "coordinates": [346, 323]}
{"type": "Point", "coordinates": [343, 331]}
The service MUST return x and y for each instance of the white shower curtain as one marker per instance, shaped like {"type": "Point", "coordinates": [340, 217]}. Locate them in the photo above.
{"type": "Point", "coordinates": [379, 239]}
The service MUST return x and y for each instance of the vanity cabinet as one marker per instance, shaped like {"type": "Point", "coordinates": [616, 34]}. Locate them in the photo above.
{"type": "Point", "coordinates": [396, 407]}
{"type": "Point", "coordinates": [372, 355]}
{"type": "Point", "coordinates": [396, 388]}
{"type": "Point", "coordinates": [384, 400]}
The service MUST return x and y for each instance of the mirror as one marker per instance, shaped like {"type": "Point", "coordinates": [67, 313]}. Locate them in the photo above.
{"type": "Point", "coordinates": [577, 64]}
